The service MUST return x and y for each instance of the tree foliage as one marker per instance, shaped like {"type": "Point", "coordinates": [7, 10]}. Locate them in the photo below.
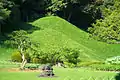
{"type": "Point", "coordinates": [4, 12]}
{"type": "Point", "coordinates": [29, 10]}
{"type": "Point", "coordinates": [72, 56]}
{"type": "Point", "coordinates": [108, 28]}
{"type": "Point", "coordinates": [21, 41]}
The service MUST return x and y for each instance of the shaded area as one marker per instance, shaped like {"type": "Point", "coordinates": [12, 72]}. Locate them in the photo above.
{"type": "Point", "coordinates": [81, 20]}
{"type": "Point", "coordinates": [117, 77]}
{"type": "Point", "coordinates": [19, 26]}
{"type": "Point", "coordinates": [10, 27]}
{"type": "Point", "coordinates": [75, 14]}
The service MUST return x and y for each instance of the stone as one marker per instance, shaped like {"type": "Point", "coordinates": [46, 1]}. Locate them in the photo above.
{"type": "Point", "coordinates": [47, 71]}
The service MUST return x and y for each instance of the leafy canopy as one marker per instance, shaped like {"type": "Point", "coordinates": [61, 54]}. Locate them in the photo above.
{"type": "Point", "coordinates": [108, 28]}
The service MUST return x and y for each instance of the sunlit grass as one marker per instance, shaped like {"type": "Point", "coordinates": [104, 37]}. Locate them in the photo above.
{"type": "Point", "coordinates": [58, 32]}
{"type": "Point", "coordinates": [61, 74]}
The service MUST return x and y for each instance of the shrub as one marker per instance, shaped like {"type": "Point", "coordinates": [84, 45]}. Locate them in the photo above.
{"type": "Point", "coordinates": [53, 56]}
{"type": "Point", "coordinates": [72, 56]}
{"type": "Point", "coordinates": [32, 66]}
{"type": "Point", "coordinates": [35, 60]}
{"type": "Point", "coordinates": [113, 60]}
{"type": "Point", "coordinates": [71, 65]}
{"type": "Point", "coordinates": [85, 64]}
{"type": "Point", "coordinates": [105, 67]}
{"type": "Point", "coordinates": [16, 57]}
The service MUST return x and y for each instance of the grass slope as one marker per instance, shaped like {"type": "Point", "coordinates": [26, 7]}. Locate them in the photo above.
{"type": "Point", "coordinates": [55, 33]}
{"type": "Point", "coordinates": [58, 32]}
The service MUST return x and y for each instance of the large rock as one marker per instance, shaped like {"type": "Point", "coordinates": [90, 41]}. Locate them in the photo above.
{"type": "Point", "coordinates": [47, 71]}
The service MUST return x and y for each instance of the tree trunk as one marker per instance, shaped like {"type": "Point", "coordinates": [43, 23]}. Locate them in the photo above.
{"type": "Point", "coordinates": [24, 61]}
{"type": "Point", "coordinates": [0, 29]}
{"type": "Point", "coordinates": [69, 17]}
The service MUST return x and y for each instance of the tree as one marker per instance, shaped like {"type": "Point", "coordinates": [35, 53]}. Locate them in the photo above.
{"type": "Point", "coordinates": [29, 9]}
{"type": "Point", "coordinates": [72, 55]}
{"type": "Point", "coordinates": [23, 43]}
{"type": "Point", "coordinates": [4, 13]}
{"type": "Point", "coordinates": [56, 5]}
{"type": "Point", "coordinates": [108, 28]}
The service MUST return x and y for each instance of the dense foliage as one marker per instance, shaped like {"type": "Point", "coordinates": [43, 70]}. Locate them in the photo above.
{"type": "Point", "coordinates": [30, 51]}
{"type": "Point", "coordinates": [113, 60]}
{"type": "Point", "coordinates": [21, 41]}
{"type": "Point", "coordinates": [15, 11]}
{"type": "Point", "coordinates": [107, 29]}
{"type": "Point", "coordinates": [79, 12]}
{"type": "Point", "coordinates": [59, 41]}
{"type": "Point", "coordinates": [105, 67]}
{"type": "Point", "coordinates": [4, 12]}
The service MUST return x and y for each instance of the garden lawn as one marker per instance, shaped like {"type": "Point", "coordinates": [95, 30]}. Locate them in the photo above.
{"type": "Point", "coordinates": [61, 74]}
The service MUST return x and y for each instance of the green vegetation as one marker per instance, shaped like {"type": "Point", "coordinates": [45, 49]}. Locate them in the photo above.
{"type": "Point", "coordinates": [73, 34]}
{"type": "Point", "coordinates": [113, 60]}
{"type": "Point", "coordinates": [56, 33]}
{"type": "Point", "coordinates": [16, 57]}
{"type": "Point", "coordinates": [5, 53]}
{"type": "Point", "coordinates": [107, 28]}
{"type": "Point", "coordinates": [105, 67]}
{"type": "Point", "coordinates": [61, 74]}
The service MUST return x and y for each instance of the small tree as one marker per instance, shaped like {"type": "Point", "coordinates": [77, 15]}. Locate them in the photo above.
{"type": "Point", "coordinates": [72, 55]}
{"type": "Point", "coordinates": [22, 42]}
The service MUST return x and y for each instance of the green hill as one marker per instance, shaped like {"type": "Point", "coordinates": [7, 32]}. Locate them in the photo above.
{"type": "Point", "coordinates": [56, 32]}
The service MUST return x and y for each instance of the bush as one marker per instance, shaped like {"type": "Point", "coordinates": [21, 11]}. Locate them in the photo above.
{"type": "Point", "coordinates": [113, 60]}
{"type": "Point", "coordinates": [35, 60]}
{"type": "Point", "coordinates": [16, 57]}
{"type": "Point", "coordinates": [105, 67]}
{"type": "Point", "coordinates": [71, 65]}
{"type": "Point", "coordinates": [72, 56]}
{"type": "Point", "coordinates": [32, 66]}
{"type": "Point", "coordinates": [86, 64]}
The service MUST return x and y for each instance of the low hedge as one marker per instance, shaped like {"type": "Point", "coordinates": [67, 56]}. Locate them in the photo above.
{"type": "Point", "coordinates": [105, 67]}
{"type": "Point", "coordinates": [32, 66]}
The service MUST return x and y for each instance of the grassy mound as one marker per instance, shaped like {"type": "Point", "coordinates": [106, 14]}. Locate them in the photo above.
{"type": "Point", "coordinates": [56, 32]}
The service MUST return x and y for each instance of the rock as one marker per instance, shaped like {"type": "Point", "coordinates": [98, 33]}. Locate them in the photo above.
{"type": "Point", "coordinates": [47, 71]}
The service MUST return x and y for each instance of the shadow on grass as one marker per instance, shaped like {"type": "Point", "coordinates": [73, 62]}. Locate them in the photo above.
{"type": "Point", "coordinates": [20, 26]}
{"type": "Point", "coordinates": [117, 77]}
{"type": "Point", "coordinates": [9, 28]}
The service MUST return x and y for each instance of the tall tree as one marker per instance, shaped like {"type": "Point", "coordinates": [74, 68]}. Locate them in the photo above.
{"type": "Point", "coordinates": [29, 9]}
{"type": "Point", "coordinates": [4, 13]}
